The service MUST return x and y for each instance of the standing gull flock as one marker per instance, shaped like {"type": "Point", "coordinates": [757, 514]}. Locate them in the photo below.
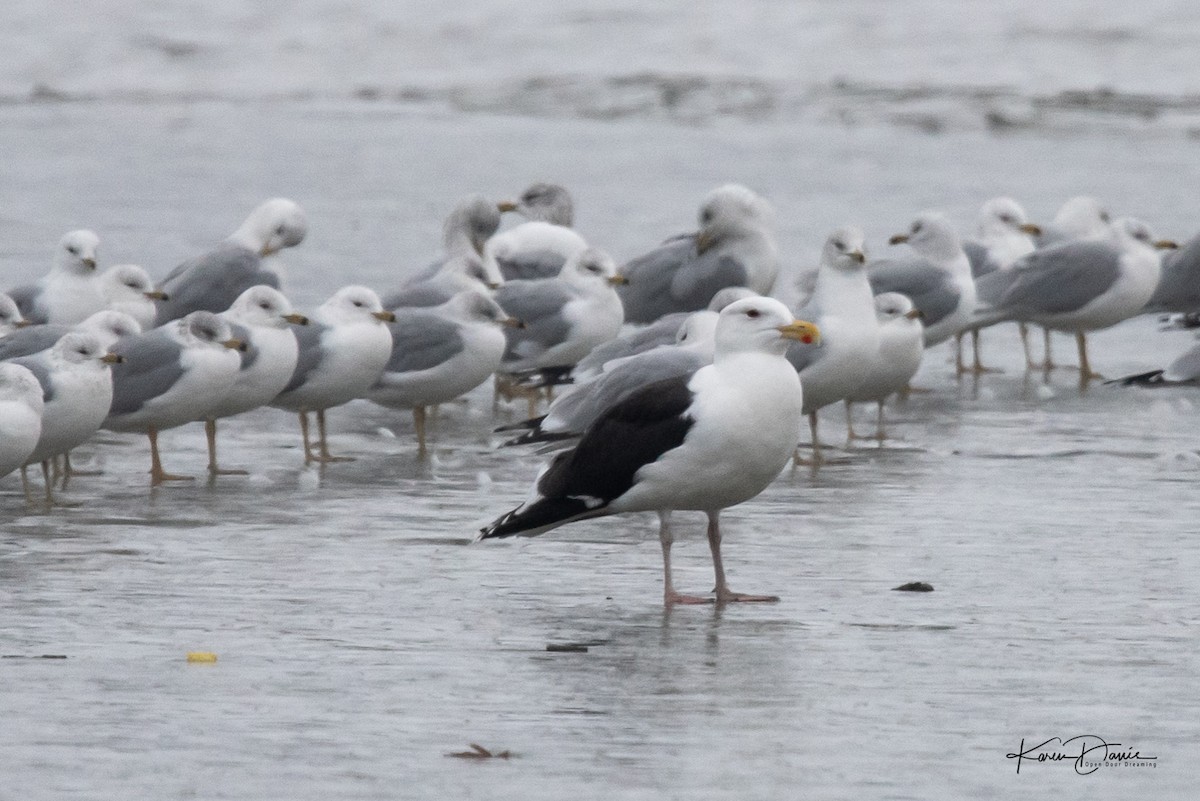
{"type": "Point", "coordinates": [172, 375]}
{"type": "Point", "coordinates": [1083, 285]}
{"type": "Point", "coordinates": [70, 291]}
{"type": "Point", "coordinates": [342, 351]}
{"type": "Point", "coordinates": [539, 247]}
{"type": "Point", "coordinates": [701, 442]}
{"type": "Point", "coordinates": [735, 246]}
{"type": "Point", "coordinates": [441, 353]}
{"type": "Point", "coordinates": [262, 318]}
{"type": "Point", "coordinates": [936, 278]}
{"type": "Point", "coordinates": [212, 281]}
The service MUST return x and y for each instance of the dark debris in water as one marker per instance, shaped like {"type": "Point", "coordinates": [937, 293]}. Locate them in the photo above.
{"type": "Point", "coordinates": [479, 752]}
{"type": "Point", "coordinates": [914, 586]}
{"type": "Point", "coordinates": [567, 647]}
{"type": "Point", "coordinates": [905, 626]}
{"type": "Point", "coordinates": [33, 656]}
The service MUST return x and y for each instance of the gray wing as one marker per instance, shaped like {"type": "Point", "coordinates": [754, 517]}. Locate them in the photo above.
{"type": "Point", "coordinates": [530, 264]}
{"type": "Point", "coordinates": [575, 412]}
{"type": "Point", "coordinates": [38, 366]}
{"type": "Point", "coordinates": [697, 281]}
{"type": "Point", "coordinates": [927, 286]}
{"type": "Point", "coordinates": [675, 278]}
{"type": "Point", "coordinates": [423, 294]}
{"type": "Point", "coordinates": [212, 282]}
{"type": "Point", "coordinates": [422, 340]}
{"type": "Point", "coordinates": [980, 258]}
{"type": "Point", "coordinates": [647, 296]}
{"type": "Point", "coordinates": [989, 289]}
{"type": "Point", "coordinates": [1179, 288]}
{"type": "Point", "coordinates": [539, 305]}
{"type": "Point", "coordinates": [1062, 278]}
{"type": "Point", "coordinates": [25, 341]}
{"type": "Point", "coordinates": [26, 298]}
{"type": "Point", "coordinates": [661, 332]}
{"type": "Point", "coordinates": [308, 352]}
{"type": "Point", "coordinates": [152, 366]}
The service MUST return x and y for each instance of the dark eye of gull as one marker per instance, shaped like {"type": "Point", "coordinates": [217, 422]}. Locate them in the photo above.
{"type": "Point", "coordinates": [74, 251]}
{"type": "Point", "coordinates": [753, 313]}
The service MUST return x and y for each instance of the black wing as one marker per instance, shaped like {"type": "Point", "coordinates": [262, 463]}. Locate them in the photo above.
{"type": "Point", "coordinates": [583, 481]}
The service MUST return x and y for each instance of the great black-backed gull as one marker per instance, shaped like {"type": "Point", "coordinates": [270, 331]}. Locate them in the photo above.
{"type": "Point", "coordinates": [703, 442]}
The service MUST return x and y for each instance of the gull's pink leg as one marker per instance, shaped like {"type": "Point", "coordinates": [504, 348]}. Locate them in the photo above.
{"type": "Point", "coordinates": [670, 596]}
{"type": "Point", "coordinates": [724, 594]}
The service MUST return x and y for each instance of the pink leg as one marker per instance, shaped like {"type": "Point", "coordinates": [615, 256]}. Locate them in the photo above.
{"type": "Point", "coordinates": [724, 594]}
{"type": "Point", "coordinates": [670, 596]}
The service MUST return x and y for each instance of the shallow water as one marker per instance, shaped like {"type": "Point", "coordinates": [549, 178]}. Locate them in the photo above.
{"type": "Point", "coordinates": [361, 637]}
